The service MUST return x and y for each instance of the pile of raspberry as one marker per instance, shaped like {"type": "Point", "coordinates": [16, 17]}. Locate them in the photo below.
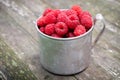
{"type": "Point", "coordinates": [65, 23]}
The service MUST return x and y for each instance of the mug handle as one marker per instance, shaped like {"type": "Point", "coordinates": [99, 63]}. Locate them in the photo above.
{"type": "Point", "coordinates": [99, 17]}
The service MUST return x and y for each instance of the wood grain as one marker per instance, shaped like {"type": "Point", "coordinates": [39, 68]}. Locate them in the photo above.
{"type": "Point", "coordinates": [17, 29]}
{"type": "Point", "coordinates": [11, 66]}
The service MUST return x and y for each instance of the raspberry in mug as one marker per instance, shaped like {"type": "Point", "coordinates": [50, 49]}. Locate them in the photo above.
{"type": "Point", "coordinates": [65, 23]}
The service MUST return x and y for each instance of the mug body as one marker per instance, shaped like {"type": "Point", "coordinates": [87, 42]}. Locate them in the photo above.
{"type": "Point", "coordinates": [65, 56]}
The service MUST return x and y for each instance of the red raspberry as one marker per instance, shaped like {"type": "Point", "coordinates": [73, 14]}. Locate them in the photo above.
{"type": "Point", "coordinates": [56, 12]}
{"type": "Point", "coordinates": [55, 35]}
{"type": "Point", "coordinates": [61, 28]}
{"type": "Point", "coordinates": [40, 22]}
{"type": "Point", "coordinates": [73, 17]}
{"type": "Point", "coordinates": [42, 29]}
{"type": "Point", "coordinates": [50, 29]}
{"type": "Point", "coordinates": [86, 21]}
{"type": "Point", "coordinates": [84, 13]}
{"type": "Point", "coordinates": [77, 8]}
{"type": "Point", "coordinates": [70, 34]}
{"type": "Point", "coordinates": [50, 18]}
{"type": "Point", "coordinates": [62, 17]}
{"type": "Point", "coordinates": [79, 30]}
{"type": "Point", "coordinates": [70, 12]}
{"type": "Point", "coordinates": [72, 23]}
{"type": "Point", "coordinates": [46, 11]}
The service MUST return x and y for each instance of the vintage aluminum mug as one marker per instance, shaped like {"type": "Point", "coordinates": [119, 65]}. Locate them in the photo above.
{"type": "Point", "coordinates": [66, 56]}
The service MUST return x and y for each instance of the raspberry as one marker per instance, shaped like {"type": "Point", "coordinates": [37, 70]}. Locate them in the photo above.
{"type": "Point", "coordinates": [84, 13]}
{"type": "Point", "coordinates": [42, 29]}
{"type": "Point", "coordinates": [70, 12]}
{"type": "Point", "coordinates": [70, 34]}
{"type": "Point", "coordinates": [50, 29]}
{"type": "Point", "coordinates": [50, 18]}
{"type": "Point", "coordinates": [79, 30]}
{"type": "Point", "coordinates": [77, 8]}
{"type": "Point", "coordinates": [47, 11]}
{"type": "Point", "coordinates": [55, 35]}
{"type": "Point", "coordinates": [72, 23]}
{"type": "Point", "coordinates": [73, 17]}
{"type": "Point", "coordinates": [56, 12]}
{"type": "Point", "coordinates": [62, 17]}
{"type": "Point", "coordinates": [61, 28]}
{"type": "Point", "coordinates": [65, 23]}
{"type": "Point", "coordinates": [40, 22]}
{"type": "Point", "coordinates": [86, 21]}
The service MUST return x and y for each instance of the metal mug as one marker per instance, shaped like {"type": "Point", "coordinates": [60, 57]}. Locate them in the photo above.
{"type": "Point", "coordinates": [66, 56]}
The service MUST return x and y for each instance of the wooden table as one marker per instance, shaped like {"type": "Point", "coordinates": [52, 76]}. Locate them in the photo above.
{"type": "Point", "coordinates": [19, 51]}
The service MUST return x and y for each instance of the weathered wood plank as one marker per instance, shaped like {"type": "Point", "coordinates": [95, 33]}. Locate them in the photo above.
{"type": "Point", "coordinates": [110, 38]}
{"type": "Point", "coordinates": [21, 14]}
{"type": "Point", "coordinates": [15, 35]}
{"type": "Point", "coordinates": [38, 8]}
{"type": "Point", "coordinates": [11, 66]}
{"type": "Point", "coordinates": [110, 64]}
{"type": "Point", "coordinates": [17, 38]}
{"type": "Point", "coordinates": [106, 53]}
{"type": "Point", "coordinates": [94, 72]}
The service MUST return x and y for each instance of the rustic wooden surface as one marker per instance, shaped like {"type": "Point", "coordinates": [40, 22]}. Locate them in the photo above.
{"type": "Point", "coordinates": [19, 36]}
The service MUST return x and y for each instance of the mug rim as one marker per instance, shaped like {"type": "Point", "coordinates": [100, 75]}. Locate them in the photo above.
{"type": "Point", "coordinates": [71, 38]}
